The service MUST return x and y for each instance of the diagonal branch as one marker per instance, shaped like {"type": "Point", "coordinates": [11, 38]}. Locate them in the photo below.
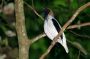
{"type": "Point", "coordinates": [38, 37]}
{"type": "Point", "coordinates": [64, 27]}
{"type": "Point", "coordinates": [34, 10]}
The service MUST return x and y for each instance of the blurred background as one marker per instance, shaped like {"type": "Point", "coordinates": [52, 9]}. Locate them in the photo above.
{"type": "Point", "coordinates": [78, 39]}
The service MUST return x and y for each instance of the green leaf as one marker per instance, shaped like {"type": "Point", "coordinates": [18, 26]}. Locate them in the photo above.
{"type": "Point", "coordinates": [59, 2]}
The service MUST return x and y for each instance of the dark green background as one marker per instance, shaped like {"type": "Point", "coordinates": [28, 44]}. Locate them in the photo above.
{"type": "Point", "coordinates": [63, 10]}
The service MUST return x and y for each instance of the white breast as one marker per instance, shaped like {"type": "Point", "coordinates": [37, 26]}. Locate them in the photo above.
{"type": "Point", "coordinates": [49, 29]}
{"type": "Point", "coordinates": [51, 32]}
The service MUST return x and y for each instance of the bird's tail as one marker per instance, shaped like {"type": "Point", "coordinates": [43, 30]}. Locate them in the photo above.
{"type": "Point", "coordinates": [63, 43]}
{"type": "Point", "coordinates": [65, 47]}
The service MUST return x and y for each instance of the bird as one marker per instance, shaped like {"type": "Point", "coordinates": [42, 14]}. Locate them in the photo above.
{"type": "Point", "coordinates": [52, 28]}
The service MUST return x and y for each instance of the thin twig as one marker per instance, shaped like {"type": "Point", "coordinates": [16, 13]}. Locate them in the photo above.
{"type": "Point", "coordinates": [85, 36]}
{"type": "Point", "coordinates": [1, 6]}
{"type": "Point", "coordinates": [32, 4]}
{"type": "Point", "coordinates": [63, 28]}
{"type": "Point", "coordinates": [78, 57]}
{"type": "Point", "coordinates": [79, 25]}
{"type": "Point", "coordinates": [38, 37]}
{"type": "Point", "coordinates": [34, 11]}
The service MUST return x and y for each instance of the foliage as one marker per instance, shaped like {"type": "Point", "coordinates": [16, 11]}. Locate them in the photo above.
{"type": "Point", "coordinates": [63, 10]}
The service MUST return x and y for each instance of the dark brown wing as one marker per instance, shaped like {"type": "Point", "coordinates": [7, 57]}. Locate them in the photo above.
{"type": "Point", "coordinates": [57, 26]}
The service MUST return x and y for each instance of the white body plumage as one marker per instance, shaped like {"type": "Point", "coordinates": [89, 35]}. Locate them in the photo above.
{"type": "Point", "coordinates": [51, 31]}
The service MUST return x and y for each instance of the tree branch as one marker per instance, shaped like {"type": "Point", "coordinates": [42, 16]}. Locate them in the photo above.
{"type": "Point", "coordinates": [85, 36]}
{"type": "Point", "coordinates": [34, 10]}
{"type": "Point", "coordinates": [21, 31]}
{"type": "Point", "coordinates": [78, 25]}
{"type": "Point", "coordinates": [42, 35]}
{"type": "Point", "coordinates": [63, 28]}
{"type": "Point", "coordinates": [70, 27]}
{"type": "Point", "coordinates": [38, 37]}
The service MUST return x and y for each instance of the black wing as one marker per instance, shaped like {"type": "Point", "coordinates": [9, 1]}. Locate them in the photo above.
{"type": "Point", "coordinates": [57, 26]}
